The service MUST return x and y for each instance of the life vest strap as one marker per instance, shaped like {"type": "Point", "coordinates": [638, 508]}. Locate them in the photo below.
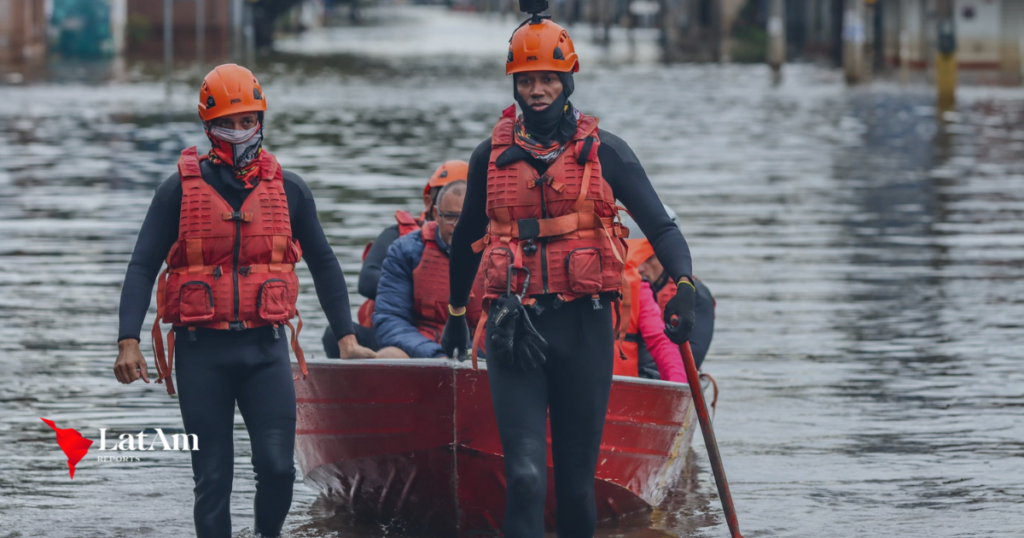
{"type": "Point", "coordinates": [163, 369]}
{"type": "Point", "coordinates": [299, 355]}
{"type": "Point", "coordinates": [480, 244]}
{"type": "Point", "coordinates": [246, 270]}
{"type": "Point", "coordinates": [481, 328]}
{"type": "Point", "coordinates": [564, 225]}
{"type": "Point", "coordinates": [194, 254]}
{"type": "Point", "coordinates": [244, 216]}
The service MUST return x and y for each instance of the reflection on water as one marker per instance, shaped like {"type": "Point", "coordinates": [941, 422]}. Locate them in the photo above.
{"type": "Point", "coordinates": [866, 260]}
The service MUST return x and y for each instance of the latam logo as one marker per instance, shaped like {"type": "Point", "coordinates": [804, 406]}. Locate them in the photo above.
{"type": "Point", "coordinates": [75, 446]}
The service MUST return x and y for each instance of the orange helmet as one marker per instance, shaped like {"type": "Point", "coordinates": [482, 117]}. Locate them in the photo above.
{"type": "Point", "coordinates": [446, 173]}
{"type": "Point", "coordinates": [544, 46]}
{"type": "Point", "coordinates": [230, 89]}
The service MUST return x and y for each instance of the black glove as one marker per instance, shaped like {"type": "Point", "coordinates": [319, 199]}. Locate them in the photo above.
{"type": "Point", "coordinates": [511, 336]}
{"type": "Point", "coordinates": [679, 313]}
{"type": "Point", "coordinates": [456, 340]}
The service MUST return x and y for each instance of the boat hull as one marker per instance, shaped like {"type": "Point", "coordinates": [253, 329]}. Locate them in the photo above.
{"type": "Point", "coordinates": [415, 442]}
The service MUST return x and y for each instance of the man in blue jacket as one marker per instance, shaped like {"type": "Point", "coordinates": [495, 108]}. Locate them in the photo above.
{"type": "Point", "coordinates": [412, 295]}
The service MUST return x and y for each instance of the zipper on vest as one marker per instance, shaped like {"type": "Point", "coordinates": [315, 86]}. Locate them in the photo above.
{"type": "Point", "coordinates": [543, 241]}
{"type": "Point", "coordinates": [234, 272]}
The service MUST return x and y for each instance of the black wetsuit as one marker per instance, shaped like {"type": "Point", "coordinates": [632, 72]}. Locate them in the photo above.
{"type": "Point", "coordinates": [249, 367]}
{"type": "Point", "coordinates": [574, 383]}
{"type": "Point", "coordinates": [369, 276]}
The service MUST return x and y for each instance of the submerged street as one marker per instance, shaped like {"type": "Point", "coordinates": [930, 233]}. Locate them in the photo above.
{"type": "Point", "coordinates": [865, 254]}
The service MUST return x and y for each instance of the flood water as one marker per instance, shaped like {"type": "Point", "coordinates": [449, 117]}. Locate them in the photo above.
{"type": "Point", "coordinates": [866, 258]}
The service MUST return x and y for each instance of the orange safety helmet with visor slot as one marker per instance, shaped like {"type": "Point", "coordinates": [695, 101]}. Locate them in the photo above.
{"type": "Point", "coordinates": [449, 171]}
{"type": "Point", "coordinates": [230, 89]}
{"type": "Point", "coordinates": [541, 45]}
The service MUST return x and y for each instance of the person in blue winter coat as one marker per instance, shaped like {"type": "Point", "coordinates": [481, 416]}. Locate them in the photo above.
{"type": "Point", "coordinates": [412, 294]}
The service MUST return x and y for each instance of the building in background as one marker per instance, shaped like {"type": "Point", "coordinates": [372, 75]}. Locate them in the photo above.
{"type": "Point", "coordinates": [902, 34]}
{"type": "Point", "coordinates": [82, 28]}
{"type": "Point", "coordinates": [989, 35]}
{"type": "Point", "coordinates": [22, 31]}
{"type": "Point", "coordinates": [144, 29]}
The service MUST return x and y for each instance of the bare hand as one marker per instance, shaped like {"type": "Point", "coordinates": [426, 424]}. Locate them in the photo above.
{"type": "Point", "coordinates": [130, 364]}
{"type": "Point", "coordinates": [350, 349]}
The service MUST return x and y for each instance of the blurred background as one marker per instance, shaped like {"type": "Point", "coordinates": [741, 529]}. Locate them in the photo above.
{"type": "Point", "coordinates": [867, 37]}
{"type": "Point", "coordinates": [849, 175]}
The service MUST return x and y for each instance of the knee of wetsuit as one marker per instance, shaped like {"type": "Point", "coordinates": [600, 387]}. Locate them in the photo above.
{"type": "Point", "coordinates": [527, 469]}
{"type": "Point", "coordinates": [276, 470]}
{"type": "Point", "coordinates": [274, 462]}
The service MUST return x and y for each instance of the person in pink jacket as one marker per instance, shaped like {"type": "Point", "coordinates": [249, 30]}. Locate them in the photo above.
{"type": "Point", "coordinates": [652, 328]}
{"type": "Point", "coordinates": [658, 357]}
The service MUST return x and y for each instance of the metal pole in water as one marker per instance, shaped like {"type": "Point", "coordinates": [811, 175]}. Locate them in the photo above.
{"type": "Point", "coordinates": [200, 33]}
{"type": "Point", "coordinates": [776, 36]}
{"type": "Point", "coordinates": [168, 41]}
{"type": "Point", "coordinates": [945, 59]}
{"type": "Point", "coordinates": [853, 41]}
{"type": "Point", "coordinates": [250, 35]}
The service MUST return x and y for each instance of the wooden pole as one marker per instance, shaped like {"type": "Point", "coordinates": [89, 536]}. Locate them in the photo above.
{"type": "Point", "coordinates": [704, 416]}
{"type": "Point", "coordinates": [200, 33]}
{"type": "Point", "coordinates": [776, 35]}
{"type": "Point", "coordinates": [945, 59]}
{"type": "Point", "coordinates": [168, 38]}
{"type": "Point", "coordinates": [853, 41]}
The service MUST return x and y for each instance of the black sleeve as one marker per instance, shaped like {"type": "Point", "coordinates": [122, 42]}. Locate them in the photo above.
{"type": "Point", "coordinates": [323, 264]}
{"type": "Point", "coordinates": [369, 275]}
{"type": "Point", "coordinates": [471, 227]}
{"type": "Point", "coordinates": [631, 186]}
{"type": "Point", "coordinates": [159, 231]}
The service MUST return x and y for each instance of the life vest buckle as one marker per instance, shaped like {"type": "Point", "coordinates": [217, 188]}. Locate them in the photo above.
{"type": "Point", "coordinates": [529, 248]}
{"type": "Point", "coordinates": [244, 271]}
{"type": "Point", "coordinates": [236, 326]}
{"type": "Point", "coordinates": [244, 216]}
{"type": "Point", "coordinates": [216, 272]}
{"type": "Point", "coordinates": [529, 229]}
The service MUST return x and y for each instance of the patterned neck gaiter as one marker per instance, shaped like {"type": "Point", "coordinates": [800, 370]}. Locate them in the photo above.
{"type": "Point", "coordinates": [549, 150]}
{"type": "Point", "coordinates": [238, 149]}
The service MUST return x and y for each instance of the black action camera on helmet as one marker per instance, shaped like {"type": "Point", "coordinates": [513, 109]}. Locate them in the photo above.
{"type": "Point", "coordinates": [533, 6]}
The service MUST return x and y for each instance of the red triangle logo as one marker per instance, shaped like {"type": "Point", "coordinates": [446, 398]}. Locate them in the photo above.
{"type": "Point", "coordinates": [72, 443]}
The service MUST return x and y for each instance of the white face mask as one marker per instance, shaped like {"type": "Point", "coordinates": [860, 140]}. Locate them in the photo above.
{"type": "Point", "coordinates": [232, 136]}
{"type": "Point", "coordinates": [245, 144]}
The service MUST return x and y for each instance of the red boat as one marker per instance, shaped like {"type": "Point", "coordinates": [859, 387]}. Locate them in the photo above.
{"type": "Point", "coordinates": [415, 441]}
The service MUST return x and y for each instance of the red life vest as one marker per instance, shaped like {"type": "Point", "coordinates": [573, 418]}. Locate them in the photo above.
{"type": "Point", "coordinates": [430, 288]}
{"type": "Point", "coordinates": [229, 269]}
{"type": "Point", "coordinates": [568, 214]}
{"type": "Point", "coordinates": [406, 225]}
{"type": "Point", "coordinates": [667, 292]}
{"type": "Point", "coordinates": [628, 349]}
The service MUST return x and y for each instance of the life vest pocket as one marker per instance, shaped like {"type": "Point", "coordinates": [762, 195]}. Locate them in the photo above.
{"type": "Point", "coordinates": [272, 302]}
{"type": "Point", "coordinates": [496, 276]}
{"type": "Point", "coordinates": [583, 267]}
{"type": "Point", "coordinates": [195, 302]}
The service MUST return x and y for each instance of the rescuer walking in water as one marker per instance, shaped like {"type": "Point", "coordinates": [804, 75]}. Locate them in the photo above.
{"type": "Point", "coordinates": [540, 210]}
{"type": "Point", "coordinates": [231, 225]}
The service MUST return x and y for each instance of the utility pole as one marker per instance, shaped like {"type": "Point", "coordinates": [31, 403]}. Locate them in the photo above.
{"type": "Point", "coordinates": [853, 41]}
{"type": "Point", "coordinates": [200, 33]}
{"type": "Point", "coordinates": [945, 59]}
{"type": "Point", "coordinates": [776, 36]}
{"type": "Point", "coordinates": [168, 40]}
